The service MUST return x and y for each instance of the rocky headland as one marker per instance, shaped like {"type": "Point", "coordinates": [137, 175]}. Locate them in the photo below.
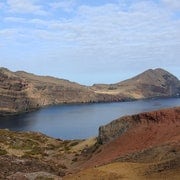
{"type": "Point", "coordinates": [141, 146]}
{"type": "Point", "coordinates": [23, 92]}
{"type": "Point", "coordinates": [151, 83]}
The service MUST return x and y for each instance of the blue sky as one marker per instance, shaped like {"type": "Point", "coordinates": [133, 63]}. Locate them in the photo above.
{"type": "Point", "coordinates": [87, 41]}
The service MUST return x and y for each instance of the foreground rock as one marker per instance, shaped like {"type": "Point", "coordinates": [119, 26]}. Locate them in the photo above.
{"type": "Point", "coordinates": [33, 176]}
{"type": "Point", "coordinates": [23, 92]}
{"type": "Point", "coordinates": [164, 121]}
{"type": "Point", "coordinates": [141, 146]}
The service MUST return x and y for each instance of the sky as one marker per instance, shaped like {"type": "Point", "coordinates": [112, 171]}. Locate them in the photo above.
{"type": "Point", "coordinates": [86, 41]}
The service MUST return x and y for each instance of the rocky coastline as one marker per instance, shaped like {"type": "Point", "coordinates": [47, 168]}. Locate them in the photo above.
{"type": "Point", "coordinates": [24, 92]}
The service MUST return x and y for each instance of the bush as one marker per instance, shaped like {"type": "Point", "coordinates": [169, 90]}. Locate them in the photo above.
{"type": "Point", "coordinates": [3, 152]}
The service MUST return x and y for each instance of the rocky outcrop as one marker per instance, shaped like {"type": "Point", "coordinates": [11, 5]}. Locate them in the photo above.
{"type": "Point", "coordinates": [122, 125]}
{"type": "Point", "coordinates": [151, 139]}
{"type": "Point", "coordinates": [141, 146]}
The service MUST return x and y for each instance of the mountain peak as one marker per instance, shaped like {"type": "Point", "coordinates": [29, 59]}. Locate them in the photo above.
{"type": "Point", "coordinates": [152, 75]}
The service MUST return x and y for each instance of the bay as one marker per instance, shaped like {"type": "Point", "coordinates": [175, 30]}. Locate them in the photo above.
{"type": "Point", "coordinates": [79, 121]}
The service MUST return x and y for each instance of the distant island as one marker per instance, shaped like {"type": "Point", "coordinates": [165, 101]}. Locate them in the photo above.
{"type": "Point", "coordinates": [24, 92]}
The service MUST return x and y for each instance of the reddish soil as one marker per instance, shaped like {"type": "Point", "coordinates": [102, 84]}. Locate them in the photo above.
{"type": "Point", "coordinates": [151, 129]}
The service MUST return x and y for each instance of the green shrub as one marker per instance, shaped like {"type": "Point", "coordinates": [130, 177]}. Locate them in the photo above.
{"type": "Point", "coordinates": [3, 152]}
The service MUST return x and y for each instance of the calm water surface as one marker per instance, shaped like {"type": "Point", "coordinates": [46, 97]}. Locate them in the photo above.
{"type": "Point", "coordinates": [80, 121]}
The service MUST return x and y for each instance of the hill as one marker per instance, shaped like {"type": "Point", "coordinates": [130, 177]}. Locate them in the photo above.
{"type": "Point", "coordinates": [23, 92]}
{"type": "Point", "coordinates": [151, 83]}
{"type": "Point", "coordinates": [141, 146]}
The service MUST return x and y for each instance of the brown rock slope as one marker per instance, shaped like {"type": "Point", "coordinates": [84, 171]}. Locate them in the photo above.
{"type": "Point", "coordinates": [141, 146]}
{"type": "Point", "coordinates": [23, 92]}
{"type": "Point", "coordinates": [13, 93]}
{"type": "Point", "coordinates": [151, 83]}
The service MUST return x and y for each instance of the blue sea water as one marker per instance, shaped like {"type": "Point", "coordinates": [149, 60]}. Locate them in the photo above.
{"type": "Point", "coordinates": [79, 121]}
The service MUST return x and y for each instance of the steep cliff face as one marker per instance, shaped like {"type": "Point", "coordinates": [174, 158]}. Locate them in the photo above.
{"type": "Point", "coordinates": [54, 91]}
{"type": "Point", "coordinates": [120, 126]}
{"type": "Point", "coordinates": [14, 93]}
{"type": "Point", "coordinates": [23, 92]}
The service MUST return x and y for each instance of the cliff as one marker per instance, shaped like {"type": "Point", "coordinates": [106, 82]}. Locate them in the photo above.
{"type": "Point", "coordinates": [23, 92]}
{"type": "Point", "coordinates": [13, 93]}
{"type": "Point", "coordinates": [160, 118]}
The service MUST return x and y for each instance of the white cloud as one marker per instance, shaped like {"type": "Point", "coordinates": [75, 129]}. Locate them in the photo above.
{"type": "Point", "coordinates": [66, 6]}
{"type": "Point", "coordinates": [25, 6]}
{"type": "Point", "coordinates": [110, 36]}
{"type": "Point", "coordinates": [38, 22]}
{"type": "Point", "coordinates": [15, 19]}
{"type": "Point", "coordinates": [174, 4]}
{"type": "Point", "coordinates": [109, 26]}
{"type": "Point", "coordinates": [8, 33]}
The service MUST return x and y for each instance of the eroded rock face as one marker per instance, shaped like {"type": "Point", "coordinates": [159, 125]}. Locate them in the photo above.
{"type": "Point", "coordinates": [23, 92]}
{"type": "Point", "coordinates": [13, 93]}
{"type": "Point", "coordinates": [120, 126]}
